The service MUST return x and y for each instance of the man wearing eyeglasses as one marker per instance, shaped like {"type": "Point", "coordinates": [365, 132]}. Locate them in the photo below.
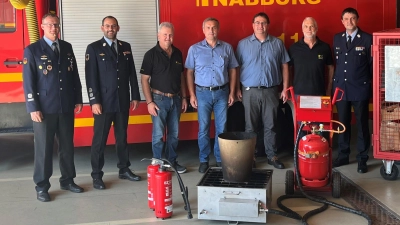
{"type": "Point", "coordinates": [263, 64]}
{"type": "Point", "coordinates": [53, 92]}
{"type": "Point", "coordinates": [113, 89]}
{"type": "Point", "coordinates": [211, 77]}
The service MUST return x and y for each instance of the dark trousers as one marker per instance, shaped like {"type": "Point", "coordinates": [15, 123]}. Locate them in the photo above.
{"type": "Point", "coordinates": [61, 125]}
{"type": "Point", "coordinates": [363, 136]}
{"type": "Point", "coordinates": [102, 125]}
{"type": "Point", "coordinates": [262, 105]}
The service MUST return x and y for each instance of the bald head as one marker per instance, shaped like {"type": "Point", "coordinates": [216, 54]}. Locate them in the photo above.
{"type": "Point", "coordinates": [309, 28]}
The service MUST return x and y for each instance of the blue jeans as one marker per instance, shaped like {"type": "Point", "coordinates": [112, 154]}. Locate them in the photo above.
{"type": "Point", "coordinates": [207, 102]}
{"type": "Point", "coordinates": [167, 120]}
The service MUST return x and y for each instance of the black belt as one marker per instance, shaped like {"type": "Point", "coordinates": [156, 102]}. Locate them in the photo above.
{"type": "Point", "coordinates": [211, 88]}
{"type": "Point", "coordinates": [259, 87]}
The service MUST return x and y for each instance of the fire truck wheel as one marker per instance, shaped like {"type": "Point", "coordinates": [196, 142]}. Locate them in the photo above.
{"type": "Point", "coordinates": [392, 176]}
{"type": "Point", "coordinates": [289, 182]}
{"type": "Point", "coordinates": [336, 183]}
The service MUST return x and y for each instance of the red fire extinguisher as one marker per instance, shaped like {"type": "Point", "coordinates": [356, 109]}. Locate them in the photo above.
{"type": "Point", "coordinates": [314, 160]}
{"type": "Point", "coordinates": [151, 171]}
{"type": "Point", "coordinates": [163, 193]}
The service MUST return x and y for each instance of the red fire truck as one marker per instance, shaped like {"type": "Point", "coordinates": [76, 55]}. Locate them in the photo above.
{"type": "Point", "coordinates": [138, 19]}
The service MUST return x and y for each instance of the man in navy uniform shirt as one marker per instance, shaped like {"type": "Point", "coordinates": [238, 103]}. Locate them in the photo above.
{"type": "Point", "coordinates": [352, 50]}
{"type": "Point", "coordinates": [112, 88]}
{"type": "Point", "coordinates": [52, 92]}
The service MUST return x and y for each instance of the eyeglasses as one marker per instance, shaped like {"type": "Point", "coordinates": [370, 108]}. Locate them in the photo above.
{"type": "Point", "coordinates": [114, 26]}
{"type": "Point", "coordinates": [55, 25]}
{"type": "Point", "coordinates": [258, 23]}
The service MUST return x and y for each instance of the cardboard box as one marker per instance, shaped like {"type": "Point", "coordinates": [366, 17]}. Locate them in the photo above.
{"type": "Point", "coordinates": [390, 113]}
{"type": "Point", "coordinates": [390, 136]}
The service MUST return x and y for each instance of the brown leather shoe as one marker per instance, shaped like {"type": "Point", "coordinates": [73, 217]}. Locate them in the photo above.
{"type": "Point", "coordinates": [276, 163]}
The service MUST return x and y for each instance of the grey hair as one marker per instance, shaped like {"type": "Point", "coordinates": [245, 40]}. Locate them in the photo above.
{"type": "Point", "coordinates": [167, 25]}
{"type": "Point", "coordinates": [312, 19]}
{"type": "Point", "coordinates": [211, 19]}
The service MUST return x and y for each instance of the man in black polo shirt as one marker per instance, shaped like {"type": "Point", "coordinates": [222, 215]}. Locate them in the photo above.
{"type": "Point", "coordinates": [164, 88]}
{"type": "Point", "coordinates": [309, 57]}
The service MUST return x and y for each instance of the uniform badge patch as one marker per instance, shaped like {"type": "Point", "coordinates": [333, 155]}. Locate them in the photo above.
{"type": "Point", "coordinates": [45, 72]}
{"type": "Point", "coordinates": [87, 57]}
{"type": "Point", "coordinates": [102, 54]}
{"type": "Point", "coordinates": [40, 67]}
{"type": "Point", "coordinates": [43, 57]}
{"type": "Point", "coordinates": [49, 67]}
{"type": "Point", "coordinates": [320, 57]}
{"type": "Point", "coordinates": [90, 89]}
{"type": "Point", "coordinates": [29, 95]}
{"type": "Point", "coordinates": [91, 94]}
{"type": "Point", "coordinates": [127, 53]}
{"type": "Point", "coordinates": [25, 60]}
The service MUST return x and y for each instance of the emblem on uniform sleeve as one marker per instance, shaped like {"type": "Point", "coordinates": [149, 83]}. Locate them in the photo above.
{"type": "Point", "coordinates": [87, 57]}
{"type": "Point", "coordinates": [25, 61]}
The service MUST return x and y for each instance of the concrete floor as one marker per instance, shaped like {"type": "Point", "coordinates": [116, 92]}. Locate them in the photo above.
{"type": "Point", "coordinates": [125, 202]}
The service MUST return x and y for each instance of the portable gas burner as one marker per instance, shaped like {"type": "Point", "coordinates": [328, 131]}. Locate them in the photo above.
{"type": "Point", "coordinates": [230, 201]}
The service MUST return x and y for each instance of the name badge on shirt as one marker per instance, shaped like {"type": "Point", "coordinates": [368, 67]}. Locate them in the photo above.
{"type": "Point", "coordinates": [360, 48]}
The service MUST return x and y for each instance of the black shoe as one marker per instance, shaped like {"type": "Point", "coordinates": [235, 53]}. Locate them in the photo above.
{"type": "Point", "coordinates": [72, 187]}
{"type": "Point", "coordinates": [203, 167]}
{"type": "Point", "coordinates": [362, 167]}
{"type": "Point", "coordinates": [340, 162]}
{"type": "Point", "coordinates": [276, 163]}
{"type": "Point", "coordinates": [99, 184]}
{"type": "Point", "coordinates": [219, 164]}
{"type": "Point", "coordinates": [43, 196]}
{"type": "Point", "coordinates": [179, 168]}
{"type": "Point", "coordinates": [129, 176]}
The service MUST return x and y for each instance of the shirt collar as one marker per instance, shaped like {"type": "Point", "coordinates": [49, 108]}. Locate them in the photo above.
{"type": "Point", "coordinates": [253, 37]}
{"type": "Point", "coordinates": [204, 42]}
{"type": "Point", "coordinates": [50, 42]}
{"type": "Point", "coordinates": [109, 41]}
{"type": "Point", "coordinates": [353, 35]}
{"type": "Point", "coordinates": [158, 47]}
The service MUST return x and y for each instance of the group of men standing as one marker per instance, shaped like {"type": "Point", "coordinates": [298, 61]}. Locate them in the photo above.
{"type": "Point", "coordinates": [215, 78]}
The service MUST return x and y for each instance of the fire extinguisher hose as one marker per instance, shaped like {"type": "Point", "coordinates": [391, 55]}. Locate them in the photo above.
{"type": "Point", "coordinates": [291, 214]}
{"type": "Point", "coordinates": [184, 191]}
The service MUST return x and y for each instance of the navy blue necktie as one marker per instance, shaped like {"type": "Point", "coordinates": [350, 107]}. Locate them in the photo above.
{"type": "Point", "coordinates": [55, 49]}
{"type": "Point", "coordinates": [348, 42]}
